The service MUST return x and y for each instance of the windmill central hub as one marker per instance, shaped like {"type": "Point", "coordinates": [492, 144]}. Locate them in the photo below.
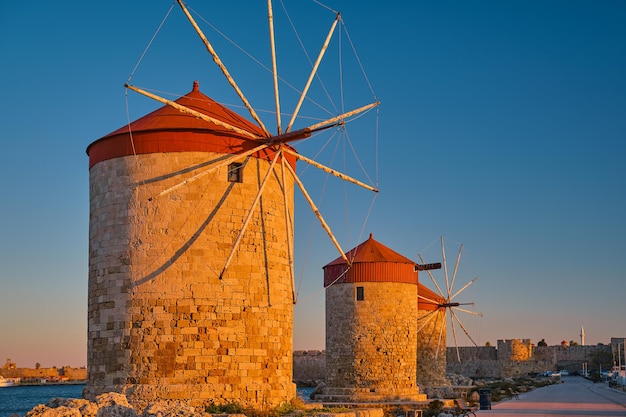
{"type": "Point", "coordinates": [446, 305]}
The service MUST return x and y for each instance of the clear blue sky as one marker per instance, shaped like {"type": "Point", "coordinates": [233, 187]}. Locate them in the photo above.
{"type": "Point", "coordinates": [502, 127]}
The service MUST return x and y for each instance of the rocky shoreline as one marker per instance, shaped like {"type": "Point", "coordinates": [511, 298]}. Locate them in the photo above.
{"type": "Point", "coordinates": [117, 405]}
{"type": "Point", "coordinates": [111, 405]}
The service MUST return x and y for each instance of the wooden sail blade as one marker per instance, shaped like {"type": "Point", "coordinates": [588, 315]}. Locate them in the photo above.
{"type": "Point", "coordinates": [222, 67]}
{"type": "Point", "coordinates": [464, 287]}
{"type": "Point", "coordinates": [318, 214]}
{"type": "Point", "coordinates": [456, 343]}
{"type": "Point", "coordinates": [270, 17]}
{"type": "Point", "coordinates": [344, 116]}
{"type": "Point", "coordinates": [212, 168]}
{"type": "Point", "coordinates": [330, 170]}
{"type": "Point", "coordinates": [288, 227]}
{"type": "Point", "coordinates": [187, 110]}
{"type": "Point", "coordinates": [249, 216]}
{"type": "Point", "coordinates": [445, 269]}
{"type": "Point", "coordinates": [427, 318]}
{"type": "Point", "coordinates": [313, 72]}
{"type": "Point", "coordinates": [430, 274]}
{"type": "Point", "coordinates": [462, 327]}
{"type": "Point", "coordinates": [428, 299]}
{"type": "Point", "coordinates": [456, 267]}
{"type": "Point", "coordinates": [474, 313]}
{"type": "Point", "coordinates": [442, 327]}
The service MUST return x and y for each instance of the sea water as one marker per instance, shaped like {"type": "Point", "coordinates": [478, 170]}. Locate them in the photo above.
{"type": "Point", "coordinates": [20, 399]}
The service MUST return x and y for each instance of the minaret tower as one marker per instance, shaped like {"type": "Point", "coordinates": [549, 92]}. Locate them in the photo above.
{"type": "Point", "coordinates": [582, 336]}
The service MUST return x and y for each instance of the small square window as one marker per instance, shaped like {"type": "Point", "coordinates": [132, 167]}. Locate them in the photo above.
{"type": "Point", "coordinates": [235, 172]}
{"type": "Point", "coordinates": [360, 296]}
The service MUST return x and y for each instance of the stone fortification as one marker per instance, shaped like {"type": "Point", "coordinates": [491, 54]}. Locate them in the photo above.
{"type": "Point", "coordinates": [309, 367]}
{"type": "Point", "coordinates": [492, 362]}
{"type": "Point", "coordinates": [162, 322]}
{"type": "Point", "coordinates": [518, 357]}
{"type": "Point", "coordinates": [515, 350]}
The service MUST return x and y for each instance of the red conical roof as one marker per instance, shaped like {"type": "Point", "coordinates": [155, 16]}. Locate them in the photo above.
{"type": "Point", "coordinates": [371, 261]}
{"type": "Point", "coordinates": [372, 251]}
{"type": "Point", "coordinates": [168, 130]}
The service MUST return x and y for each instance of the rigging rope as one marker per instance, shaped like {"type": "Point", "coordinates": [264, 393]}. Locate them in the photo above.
{"type": "Point", "coordinates": [150, 43]}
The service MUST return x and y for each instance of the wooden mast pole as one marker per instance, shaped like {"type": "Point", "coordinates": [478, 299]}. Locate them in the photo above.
{"type": "Point", "coordinates": [221, 65]}
{"type": "Point", "coordinates": [288, 227]}
{"type": "Point", "coordinates": [313, 72]}
{"type": "Point", "coordinates": [274, 66]}
{"type": "Point", "coordinates": [318, 214]}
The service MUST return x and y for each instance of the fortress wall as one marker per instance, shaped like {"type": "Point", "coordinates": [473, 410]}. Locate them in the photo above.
{"type": "Point", "coordinates": [309, 366]}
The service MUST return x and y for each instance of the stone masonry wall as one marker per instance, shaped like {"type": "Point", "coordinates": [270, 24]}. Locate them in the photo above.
{"type": "Point", "coordinates": [309, 366]}
{"type": "Point", "coordinates": [163, 323]}
{"type": "Point", "coordinates": [518, 357]}
{"type": "Point", "coordinates": [371, 344]}
{"type": "Point", "coordinates": [431, 348]}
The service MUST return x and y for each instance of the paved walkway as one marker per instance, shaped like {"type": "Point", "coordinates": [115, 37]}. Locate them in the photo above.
{"type": "Point", "coordinates": [576, 396]}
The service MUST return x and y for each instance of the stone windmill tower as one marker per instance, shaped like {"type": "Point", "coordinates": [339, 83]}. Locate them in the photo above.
{"type": "Point", "coordinates": [191, 252]}
{"type": "Point", "coordinates": [371, 332]}
{"type": "Point", "coordinates": [436, 311]}
{"type": "Point", "coordinates": [166, 318]}
{"type": "Point", "coordinates": [431, 338]}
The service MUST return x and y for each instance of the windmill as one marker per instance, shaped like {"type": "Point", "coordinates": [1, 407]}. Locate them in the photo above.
{"type": "Point", "coordinates": [276, 144]}
{"type": "Point", "coordinates": [191, 276]}
{"type": "Point", "coordinates": [442, 308]}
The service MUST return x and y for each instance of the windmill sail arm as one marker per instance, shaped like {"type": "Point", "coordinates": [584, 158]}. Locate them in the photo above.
{"type": "Point", "coordinates": [313, 72]}
{"type": "Point", "coordinates": [445, 269]}
{"type": "Point", "coordinates": [209, 170]}
{"type": "Point", "coordinates": [344, 116]}
{"type": "Point", "coordinates": [288, 228]}
{"type": "Point", "coordinates": [330, 170]}
{"type": "Point", "coordinates": [428, 299]}
{"type": "Point", "coordinates": [246, 221]}
{"type": "Point", "coordinates": [270, 18]}
{"type": "Point", "coordinates": [456, 267]}
{"type": "Point", "coordinates": [427, 318]}
{"type": "Point", "coordinates": [222, 67]}
{"type": "Point", "coordinates": [187, 110]}
{"type": "Point", "coordinates": [318, 214]}
{"type": "Point", "coordinates": [469, 311]}
{"type": "Point", "coordinates": [462, 327]}
{"type": "Point", "coordinates": [464, 287]}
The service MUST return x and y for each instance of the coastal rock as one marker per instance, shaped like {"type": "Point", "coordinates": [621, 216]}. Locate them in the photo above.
{"type": "Point", "coordinates": [64, 407]}
{"type": "Point", "coordinates": [168, 409]}
{"type": "Point", "coordinates": [107, 405]}
{"type": "Point", "coordinates": [113, 404]}
{"type": "Point", "coordinates": [44, 411]}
